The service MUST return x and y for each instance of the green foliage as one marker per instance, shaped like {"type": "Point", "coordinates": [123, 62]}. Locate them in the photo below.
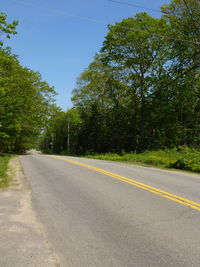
{"type": "Point", "coordinates": [140, 93]}
{"type": "Point", "coordinates": [3, 170]}
{"type": "Point", "coordinates": [189, 163]}
{"type": "Point", "coordinates": [189, 160]}
{"type": "Point", "coordinates": [25, 104]}
{"type": "Point", "coordinates": [25, 100]}
{"type": "Point", "coordinates": [136, 50]}
{"type": "Point", "coordinates": [61, 135]}
{"type": "Point", "coordinates": [181, 158]}
{"type": "Point", "coordinates": [156, 158]}
{"type": "Point", "coordinates": [6, 28]}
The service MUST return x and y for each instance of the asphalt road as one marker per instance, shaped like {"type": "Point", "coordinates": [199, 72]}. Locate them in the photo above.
{"type": "Point", "coordinates": [94, 217]}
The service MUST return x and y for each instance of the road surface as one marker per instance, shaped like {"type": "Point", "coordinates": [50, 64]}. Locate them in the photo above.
{"type": "Point", "coordinates": [101, 213]}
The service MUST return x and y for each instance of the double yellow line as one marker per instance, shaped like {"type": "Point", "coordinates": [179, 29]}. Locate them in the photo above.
{"type": "Point", "coordinates": [165, 194]}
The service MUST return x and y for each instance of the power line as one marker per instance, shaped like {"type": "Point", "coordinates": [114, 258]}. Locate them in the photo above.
{"type": "Point", "coordinates": [155, 10]}
{"type": "Point", "coordinates": [142, 7]}
{"type": "Point", "coordinates": [58, 12]}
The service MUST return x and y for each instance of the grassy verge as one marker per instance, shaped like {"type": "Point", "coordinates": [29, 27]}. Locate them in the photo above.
{"type": "Point", "coordinates": [4, 160]}
{"type": "Point", "coordinates": [182, 158]}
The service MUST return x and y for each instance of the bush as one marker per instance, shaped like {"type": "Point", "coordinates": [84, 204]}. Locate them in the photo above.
{"type": "Point", "coordinates": [188, 162]}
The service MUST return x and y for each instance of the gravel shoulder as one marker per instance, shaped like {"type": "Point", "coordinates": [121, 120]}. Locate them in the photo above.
{"type": "Point", "coordinates": [23, 238]}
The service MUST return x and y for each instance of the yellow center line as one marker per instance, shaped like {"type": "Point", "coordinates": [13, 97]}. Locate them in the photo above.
{"type": "Point", "coordinates": [165, 194]}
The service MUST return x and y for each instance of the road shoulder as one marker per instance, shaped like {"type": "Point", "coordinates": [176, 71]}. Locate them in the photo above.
{"type": "Point", "coordinates": [23, 238]}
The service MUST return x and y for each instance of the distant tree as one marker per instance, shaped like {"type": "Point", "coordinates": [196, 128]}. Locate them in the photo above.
{"type": "Point", "coordinates": [62, 131]}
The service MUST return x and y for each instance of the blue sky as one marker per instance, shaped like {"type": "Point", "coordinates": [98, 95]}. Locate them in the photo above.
{"type": "Point", "coordinates": [59, 38]}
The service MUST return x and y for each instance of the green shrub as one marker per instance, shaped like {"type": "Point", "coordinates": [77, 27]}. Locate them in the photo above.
{"type": "Point", "coordinates": [189, 162]}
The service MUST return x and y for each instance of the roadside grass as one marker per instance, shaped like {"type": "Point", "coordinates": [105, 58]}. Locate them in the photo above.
{"type": "Point", "coordinates": [183, 158]}
{"type": "Point", "coordinates": [4, 160]}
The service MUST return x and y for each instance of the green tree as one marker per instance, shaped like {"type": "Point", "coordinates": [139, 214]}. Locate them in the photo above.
{"type": "Point", "coordinates": [6, 28]}
{"type": "Point", "coordinates": [135, 47]}
{"type": "Point", "coordinates": [142, 91]}
{"type": "Point", "coordinates": [102, 97]}
{"type": "Point", "coordinates": [25, 103]}
{"type": "Point", "coordinates": [62, 132]}
{"type": "Point", "coordinates": [184, 46]}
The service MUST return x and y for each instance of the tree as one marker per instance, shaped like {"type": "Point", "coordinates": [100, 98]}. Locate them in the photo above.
{"type": "Point", "coordinates": [62, 132]}
{"type": "Point", "coordinates": [25, 103]}
{"type": "Point", "coordinates": [6, 28]}
{"type": "Point", "coordinates": [101, 97]}
{"type": "Point", "coordinates": [135, 47]}
{"type": "Point", "coordinates": [184, 57]}
{"type": "Point", "coordinates": [143, 90]}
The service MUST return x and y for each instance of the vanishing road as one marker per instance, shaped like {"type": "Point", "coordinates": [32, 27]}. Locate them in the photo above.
{"type": "Point", "coordinates": [101, 213]}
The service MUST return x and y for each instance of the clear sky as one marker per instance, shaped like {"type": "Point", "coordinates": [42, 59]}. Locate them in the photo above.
{"type": "Point", "coordinates": [59, 38]}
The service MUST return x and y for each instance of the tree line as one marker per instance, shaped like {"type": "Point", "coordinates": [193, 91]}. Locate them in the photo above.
{"type": "Point", "coordinates": [141, 91]}
{"type": "Point", "coordinates": [25, 100]}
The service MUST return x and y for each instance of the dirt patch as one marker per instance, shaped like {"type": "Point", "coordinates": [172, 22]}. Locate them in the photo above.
{"type": "Point", "coordinates": [23, 238]}
{"type": "Point", "coordinates": [17, 177]}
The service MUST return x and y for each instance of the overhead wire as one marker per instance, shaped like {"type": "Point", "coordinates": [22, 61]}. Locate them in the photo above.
{"type": "Point", "coordinates": [103, 22]}
{"type": "Point", "coordinates": [158, 11]}
{"type": "Point", "coordinates": [138, 6]}
{"type": "Point", "coordinates": [120, 26]}
{"type": "Point", "coordinates": [58, 12]}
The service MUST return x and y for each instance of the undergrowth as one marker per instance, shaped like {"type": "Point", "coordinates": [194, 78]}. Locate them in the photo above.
{"type": "Point", "coordinates": [180, 158]}
{"type": "Point", "coordinates": [4, 160]}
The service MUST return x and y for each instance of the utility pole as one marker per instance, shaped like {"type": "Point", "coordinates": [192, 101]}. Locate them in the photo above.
{"type": "Point", "coordinates": [52, 142]}
{"type": "Point", "coordinates": [68, 133]}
